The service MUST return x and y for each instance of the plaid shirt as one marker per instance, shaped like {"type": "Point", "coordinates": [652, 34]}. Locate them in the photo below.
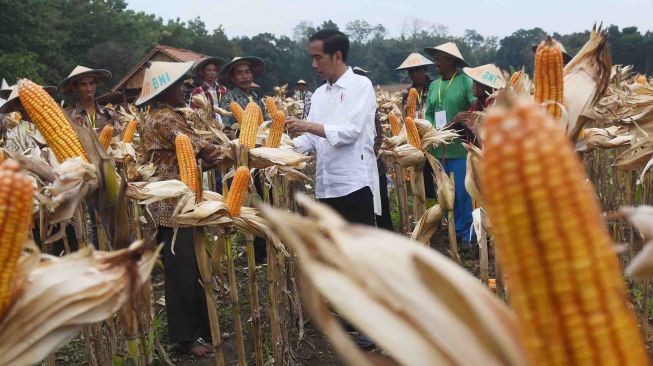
{"type": "Point", "coordinates": [161, 127]}
{"type": "Point", "coordinates": [211, 92]}
{"type": "Point", "coordinates": [239, 96]}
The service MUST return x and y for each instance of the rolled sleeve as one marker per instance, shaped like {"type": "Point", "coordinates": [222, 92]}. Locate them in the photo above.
{"type": "Point", "coordinates": [361, 110]}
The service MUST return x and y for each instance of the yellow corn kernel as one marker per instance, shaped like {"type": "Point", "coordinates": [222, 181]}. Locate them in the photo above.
{"type": "Point", "coordinates": [50, 120]}
{"type": "Point", "coordinates": [237, 111]}
{"type": "Point", "coordinates": [186, 161]}
{"type": "Point", "coordinates": [276, 129]}
{"type": "Point", "coordinates": [413, 133]}
{"type": "Point", "coordinates": [566, 285]}
{"type": "Point", "coordinates": [411, 103]}
{"type": "Point", "coordinates": [238, 190]}
{"type": "Point", "coordinates": [548, 76]}
{"type": "Point", "coordinates": [271, 105]}
{"type": "Point", "coordinates": [249, 126]}
{"type": "Point", "coordinates": [641, 79]}
{"type": "Point", "coordinates": [2, 155]}
{"type": "Point", "coordinates": [16, 194]}
{"type": "Point", "coordinates": [130, 131]}
{"type": "Point", "coordinates": [395, 125]}
{"type": "Point", "coordinates": [515, 78]}
{"type": "Point", "coordinates": [105, 136]}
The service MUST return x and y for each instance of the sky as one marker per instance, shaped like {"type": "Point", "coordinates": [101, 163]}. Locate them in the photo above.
{"type": "Point", "coordinates": [488, 17]}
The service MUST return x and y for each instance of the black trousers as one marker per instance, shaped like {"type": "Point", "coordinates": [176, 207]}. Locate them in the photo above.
{"type": "Point", "coordinates": [429, 185]}
{"type": "Point", "coordinates": [356, 207]}
{"type": "Point", "coordinates": [186, 308]}
{"type": "Point", "coordinates": [385, 220]}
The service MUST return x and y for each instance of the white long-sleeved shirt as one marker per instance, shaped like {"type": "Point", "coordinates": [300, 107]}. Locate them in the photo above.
{"type": "Point", "coordinates": [345, 158]}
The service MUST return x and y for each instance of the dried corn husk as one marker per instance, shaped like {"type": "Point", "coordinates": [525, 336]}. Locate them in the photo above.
{"type": "Point", "coordinates": [602, 138]}
{"type": "Point", "coordinates": [586, 79]}
{"type": "Point", "coordinates": [417, 305]}
{"type": "Point", "coordinates": [445, 187]}
{"type": "Point", "coordinates": [641, 217]}
{"type": "Point", "coordinates": [473, 173]}
{"type": "Point", "coordinates": [427, 225]}
{"type": "Point", "coordinates": [62, 294]}
{"type": "Point", "coordinates": [406, 155]}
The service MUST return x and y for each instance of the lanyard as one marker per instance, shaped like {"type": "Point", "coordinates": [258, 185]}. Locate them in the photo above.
{"type": "Point", "coordinates": [445, 90]}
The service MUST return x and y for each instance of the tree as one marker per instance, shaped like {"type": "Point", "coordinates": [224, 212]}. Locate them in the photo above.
{"type": "Point", "coordinates": [516, 49]}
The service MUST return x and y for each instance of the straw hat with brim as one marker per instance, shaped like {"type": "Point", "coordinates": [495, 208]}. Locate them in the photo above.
{"type": "Point", "coordinates": [566, 57]}
{"type": "Point", "coordinates": [67, 84]}
{"type": "Point", "coordinates": [488, 75]}
{"type": "Point", "coordinates": [5, 89]}
{"type": "Point", "coordinates": [257, 65]}
{"type": "Point", "coordinates": [217, 61]}
{"type": "Point", "coordinates": [301, 81]}
{"type": "Point", "coordinates": [449, 49]}
{"type": "Point", "coordinates": [12, 103]}
{"type": "Point", "coordinates": [159, 76]}
{"type": "Point", "coordinates": [414, 60]}
{"type": "Point", "coordinates": [359, 71]}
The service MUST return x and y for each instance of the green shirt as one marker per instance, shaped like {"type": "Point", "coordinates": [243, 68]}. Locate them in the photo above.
{"type": "Point", "coordinates": [457, 97]}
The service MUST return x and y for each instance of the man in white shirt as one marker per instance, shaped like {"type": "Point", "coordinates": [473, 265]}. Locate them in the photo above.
{"type": "Point", "coordinates": [340, 130]}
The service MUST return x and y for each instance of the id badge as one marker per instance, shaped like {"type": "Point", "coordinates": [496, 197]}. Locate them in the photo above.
{"type": "Point", "coordinates": [440, 119]}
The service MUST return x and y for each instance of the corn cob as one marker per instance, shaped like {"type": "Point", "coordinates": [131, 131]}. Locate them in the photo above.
{"type": "Point", "coordinates": [237, 111]}
{"type": "Point", "coordinates": [2, 155]}
{"type": "Point", "coordinates": [16, 194]}
{"type": "Point", "coordinates": [412, 133]}
{"type": "Point", "coordinates": [249, 127]}
{"type": "Point", "coordinates": [641, 79]}
{"type": "Point", "coordinates": [276, 129]}
{"type": "Point", "coordinates": [238, 190]}
{"type": "Point", "coordinates": [105, 136]}
{"type": "Point", "coordinates": [515, 78]}
{"type": "Point", "coordinates": [51, 121]}
{"type": "Point", "coordinates": [271, 105]}
{"type": "Point", "coordinates": [548, 76]}
{"type": "Point", "coordinates": [186, 161]}
{"type": "Point", "coordinates": [130, 131]}
{"type": "Point", "coordinates": [395, 125]}
{"type": "Point", "coordinates": [565, 281]}
{"type": "Point", "coordinates": [411, 103]}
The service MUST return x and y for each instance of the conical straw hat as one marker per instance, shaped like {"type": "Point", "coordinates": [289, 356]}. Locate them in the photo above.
{"type": "Point", "coordinates": [301, 81]}
{"type": "Point", "coordinates": [414, 60]}
{"type": "Point", "coordinates": [66, 85]}
{"type": "Point", "coordinates": [5, 89]}
{"type": "Point", "coordinates": [160, 76]}
{"type": "Point", "coordinates": [449, 48]}
{"type": "Point", "coordinates": [489, 75]}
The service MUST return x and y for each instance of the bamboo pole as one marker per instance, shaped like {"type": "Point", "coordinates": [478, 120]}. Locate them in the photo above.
{"type": "Point", "coordinates": [451, 226]}
{"type": "Point", "coordinates": [253, 299]}
{"type": "Point", "coordinates": [235, 306]}
{"type": "Point", "coordinates": [419, 193]}
{"type": "Point", "coordinates": [402, 197]}
{"type": "Point", "coordinates": [273, 299]}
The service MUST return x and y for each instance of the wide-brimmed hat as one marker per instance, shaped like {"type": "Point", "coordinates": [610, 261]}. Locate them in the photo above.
{"type": "Point", "coordinates": [66, 85]}
{"type": "Point", "coordinates": [161, 75]}
{"type": "Point", "coordinates": [359, 71]}
{"type": "Point", "coordinates": [448, 48]}
{"type": "Point", "coordinates": [217, 61]}
{"type": "Point", "coordinates": [12, 103]}
{"type": "Point", "coordinates": [5, 89]}
{"type": "Point", "coordinates": [488, 75]}
{"type": "Point", "coordinates": [257, 65]}
{"type": "Point", "coordinates": [414, 60]}
{"type": "Point", "coordinates": [566, 57]}
{"type": "Point", "coordinates": [301, 81]}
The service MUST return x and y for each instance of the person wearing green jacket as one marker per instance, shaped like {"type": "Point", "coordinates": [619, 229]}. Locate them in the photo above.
{"type": "Point", "coordinates": [448, 95]}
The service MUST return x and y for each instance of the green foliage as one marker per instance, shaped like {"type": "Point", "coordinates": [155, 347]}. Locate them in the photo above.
{"type": "Point", "coordinates": [44, 40]}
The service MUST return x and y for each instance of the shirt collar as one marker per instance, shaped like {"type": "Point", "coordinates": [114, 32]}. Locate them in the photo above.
{"type": "Point", "coordinates": [344, 80]}
{"type": "Point", "coordinates": [215, 85]}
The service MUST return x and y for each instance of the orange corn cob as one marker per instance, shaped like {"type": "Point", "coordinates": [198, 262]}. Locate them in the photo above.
{"type": "Point", "coordinates": [186, 161]}
{"type": "Point", "coordinates": [271, 106]}
{"type": "Point", "coordinates": [249, 127]}
{"type": "Point", "coordinates": [411, 103]}
{"type": "Point", "coordinates": [641, 79]}
{"type": "Point", "coordinates": [105, 136]}
{"type": "Point", "coordinates": [514, 79]}
{"type": "Point", "coordinates": [548, 76]}
{"type": "Point", "coordinates": [237, 111]}
{"type": "Point", "coordinates": [16, 194]}
{"type": "Point", "coordinates": [238, 190]}
{"type": "Point", "coordinates": [395, 125]}
{"type": "Point", "coordinates": [276, 129]}
{"type": "Point", "coordinates": [413, 133]}
{"type": "Point", "coordinates": [566, 285]}
{"type": "Point", "coordinates": [130, 131]}
{"type": "Point", "coordinates": [2, 155]}
{"type": "Point", "coordinates": [51, 121]}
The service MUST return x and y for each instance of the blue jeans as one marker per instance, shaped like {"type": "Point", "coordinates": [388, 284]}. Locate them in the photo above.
{"type": "Point", "coordinates": [462, 208]}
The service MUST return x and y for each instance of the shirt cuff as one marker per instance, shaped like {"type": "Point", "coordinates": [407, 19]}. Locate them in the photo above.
{"type": "Point", "coordinates": [331, 134]}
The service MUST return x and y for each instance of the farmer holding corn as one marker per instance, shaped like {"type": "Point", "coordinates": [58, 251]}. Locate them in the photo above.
{"type": "Point", "coordinates": [188, 323]}
{"type": "Point", "coordinates": [416, 66]}
{"type": "Point", "coordinates": [449, 95]}
{"type": "Point", "coordinates": [83, 83]}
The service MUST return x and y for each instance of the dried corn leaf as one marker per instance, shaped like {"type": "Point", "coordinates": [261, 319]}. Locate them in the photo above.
{"type": "Point", "coordinates": [427, 225]}
{"type": "Point", "coordinates": [445, 187]}
{"type": "Point", "coordinates": [417, 305]}
{"type": "Point", "coordinates": [473, 173]}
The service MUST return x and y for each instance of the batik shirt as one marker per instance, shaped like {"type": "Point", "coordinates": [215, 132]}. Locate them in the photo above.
{"type": "Point", "coordinates": [239, 96]}
{"type": "Point", "coordinates": [162, 125]}
{"type": "Point", "coordinates": [103, 116]}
